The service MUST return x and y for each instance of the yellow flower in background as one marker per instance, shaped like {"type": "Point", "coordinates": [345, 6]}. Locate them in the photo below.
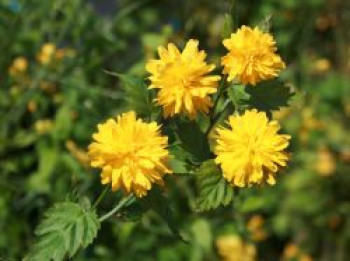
{"type": "Point", "coordinates": [305, 257]}
{"type": "Point", "coordinates": [325, 164]}
{"type": "Point", "coordinates": [322, 65]}
{"type": "Point", "coordinates": [232, 248]}
{"type": "Point", "coordinates": [32, 106]}
{"type": "Point", "coordinates": [44, 126]}
{"type": "Point", "coordinates": [131, 153]}
{"type": "Point", "coordinates": [182, 79]}
{"type": "Point", "coordinates": [252, 56]}
{"type": "Point", "coordinates": [290, 251]}
{"type": "Point", "coordinates": [65, 52]}
{"type": "Point", "coordinates": [255, 222]}
{"type": "Point", "coordinates": [251, 151]}
{"type": "Point", "coordinates": [256, 228]}
{"type": "Point", "coordinates": [46, 53]}
{"type": "Point", "coordinates": [19, 66]}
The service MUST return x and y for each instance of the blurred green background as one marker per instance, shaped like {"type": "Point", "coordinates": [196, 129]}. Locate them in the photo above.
{"type": "Point", "coordinates": [54, 90]}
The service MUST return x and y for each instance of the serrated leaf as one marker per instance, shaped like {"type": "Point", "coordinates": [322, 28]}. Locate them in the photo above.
{"type": "Point", "coordinates": [178, 166]}
{"type": "Point", "coordinates": [193, 140]}
{"type": "Point", "coordinates": [212, 187]}
{"type": "Point", "coordinates": [66, 227]}
{"type": "Point", "coordinates": [238, 96]}
{"type": "Point", "coordinates": [269, 96]}
{"type": "Point", "coordinates": [156, 201]}
{"type": "Point", "coordinates": [137, 96]}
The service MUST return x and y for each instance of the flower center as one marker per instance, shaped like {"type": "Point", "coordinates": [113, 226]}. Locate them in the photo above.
{"type": "Point", "coordinates": [252, 146]}
{"type": "Point", "coordinates": [177, 75]}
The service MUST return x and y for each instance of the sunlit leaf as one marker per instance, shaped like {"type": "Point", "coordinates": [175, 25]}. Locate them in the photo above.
{"type": "Point", "coordinates": [213, 189]}
{"type": "Point", "coordinates": [66, 227]}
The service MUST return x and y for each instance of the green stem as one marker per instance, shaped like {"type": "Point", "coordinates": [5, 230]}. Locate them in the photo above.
{"type": "Point", "coordinates": [214, 117]}
{"type": "Point", "coordinates": [101, 196]}
{"type": "Point", "coordinates": [124, 202]}
{"type": "Point", "coordinates": [217, 117]}
{"type": "Point", "coordinates": [217, 98]}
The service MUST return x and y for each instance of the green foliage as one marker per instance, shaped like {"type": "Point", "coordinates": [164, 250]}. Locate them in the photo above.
{"type": "Point", "coordinates": [266, 97]}
{"type": "Point", "coordinates": [67, 227]}
{"type": "Point", "coordinates": [227, 28]}
{"type": "Point", "coordinates": [238, 96]}
{"type": "Point", "coordinates": [213, 189]}
{"type": "Point", "coordinates": [269, 96]}
{"type": "Point", "coordinates": [137, 96]}
{"type": "Point", "coordinates": [48, 156]}
{"type": "Point", "coordinates": [192, 140]}
{"type": "Point", "coordinates": [156, 201]}
{"type": "Point", "coordinates": [309, 205]}
{"type": "Point", "coordinates": [63, 123]}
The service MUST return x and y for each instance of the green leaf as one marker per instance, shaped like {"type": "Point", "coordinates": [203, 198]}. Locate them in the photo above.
{"type": "Point", "coordinates": [193, 140]}
{"type": "Point", "coordinates": [178, 166]}
{"type": "Point", "coordinates": [202, 235]}
{"type": "Point", "coordinates": [157, 202]}
{"type": "Point", "coordinates": [23, 139]}
{"type": "Point", "coordinates": [213, 188]}
{"type": "Point", "coordinates": [266, 96]}
{"type": "Point", "coordinates": [137, 96]}
{"type": "Point", "coordinates": [48, 156]}
{"type": "Point", "coordinates": [227, 27]}
{"type": "Point", "coordinates": [63, 123]}
{"type": "Point", "coordinates": [269, 96]}
{"type": "Point", "coordinates": [238, 96]}
{"type": "Point", "coordinates": [66, 227]}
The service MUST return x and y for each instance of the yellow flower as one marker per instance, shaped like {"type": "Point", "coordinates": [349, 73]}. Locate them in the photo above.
{"type": "Point", "coordinates": [255, 227]}
{"type": "Point", "coordinates": [251, 57]}
{"type": "Point", "coordinates": [32, 106]}
{"type": "Point", "coordinates": [65, 52]}
{"type": "Point", "coordinates": [46, 53]}
{"type": "Point", "coordinates": [183, 80]}
{"type": "Point", "coordinates": [43, 126]}
{"type": "Point", "coordinates": [290, 251]}
{"type": "Point", "coordinates": [322, 65]}
{"type": "Point", "coordinates": [131, 153]}
{"type": "Point", "coordinates": [251, 151]}
{"type": "Point", "coordinates": [255, 222]}
{"type": "Point", "coordinates": [19, 65]}
{"type": "Point", "coordinates": [325, 164]}
{"type": "Point", "coordinates": [232, 248]}
{"type": "Point", "coordinates": [305, 257]}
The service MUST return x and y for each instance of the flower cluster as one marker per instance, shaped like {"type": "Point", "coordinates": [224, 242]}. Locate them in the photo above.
{"type": "Point", "coordinates": [133, 154]}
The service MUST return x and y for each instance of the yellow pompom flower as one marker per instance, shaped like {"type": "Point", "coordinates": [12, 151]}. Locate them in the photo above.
{"type": "Point", "coordinates": [19, 66]}
{"type": "Point", "coordinates": [46, 54]}
{"type": "Point", "coordinates": [182, 79]}
{"type": "Point", "coordinates": [251, 151]}
{"type": "Point", "coordinates": [131, 153]}
{"type": "Point", "coordinates": [252, 56]}
{"type": "Point", "coordinates": [233, 248]}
